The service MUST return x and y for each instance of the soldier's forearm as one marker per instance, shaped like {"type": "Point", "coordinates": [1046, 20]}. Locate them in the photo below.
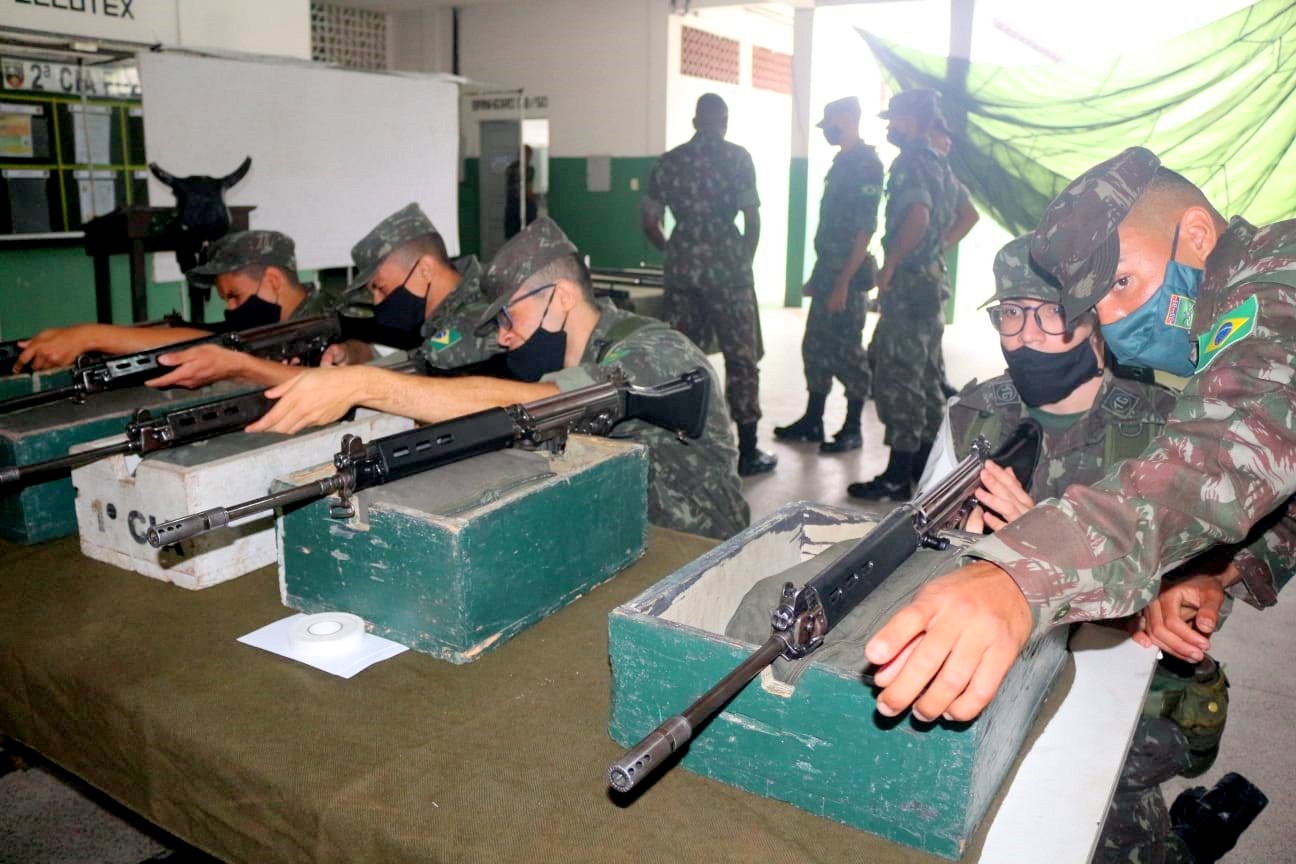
{"type": "Point", "coordinates": [858, 255]}
{"type": "Point", "coordinates": [916, 221]}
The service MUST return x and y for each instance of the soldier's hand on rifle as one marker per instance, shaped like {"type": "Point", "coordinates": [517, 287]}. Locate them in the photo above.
{"type": "Point", "coordinates": [948, 650]}
{"type": "Point", "coordinates": [1001, 497]}
{"type": "Point", "coordinates": [55, 347]}
{"type": "Point", "coordinates": [837, 299]}
{"type": "Point", "coordinates": [199, 365]}
{"type": "Point", "coordinates": [1182, 617]}
{"type": "Point", "coordinates": [315, 397]}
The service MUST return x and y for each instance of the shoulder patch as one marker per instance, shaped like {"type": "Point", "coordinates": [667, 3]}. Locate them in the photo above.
{"type": "Point", "coordinates": [444, 338]}
{"type": "Point", "coordinates": [1005, 393]}
{"type": "Point", "coordinates": [1231, 328]}
{"type": "Point", "coordinates": [1121, 403]}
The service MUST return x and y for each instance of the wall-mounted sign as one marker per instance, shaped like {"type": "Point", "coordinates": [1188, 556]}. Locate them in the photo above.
{"type": "Point", "coordinates": [145, 21]}
{"type": "Point", "coordinates": [41, 76]}
{"type": "Point", "coordinates": [507, 103]}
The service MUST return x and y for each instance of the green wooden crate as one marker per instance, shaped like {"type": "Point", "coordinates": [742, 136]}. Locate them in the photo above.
{"type": "Point", "coordinates": [456, 561]}
{"type": "Point", "coordinates": [819, 745]}
{"type": "Point", "coordinates": [45, 511]}
{"type": "Point", "coordinates": [22, 385]}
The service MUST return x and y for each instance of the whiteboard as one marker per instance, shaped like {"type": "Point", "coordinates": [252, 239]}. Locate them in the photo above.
{"type": "Point", "coordinates": [333, 151]}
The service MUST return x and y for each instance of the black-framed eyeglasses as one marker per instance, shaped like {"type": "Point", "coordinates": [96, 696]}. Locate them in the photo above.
{"type": "Point", "coordinates": [504, 319]}
{"type": "Point", "coordinates": [1010, 318]}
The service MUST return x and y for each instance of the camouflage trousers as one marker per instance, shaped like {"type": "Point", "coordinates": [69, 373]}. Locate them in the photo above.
{"type": "Point", "coordinates": [1137, 829]}
{"type": "Point", "coordinates": [833, 348]}
{"type": "Point", "coordinates": [906, 377]}
{"type": "Point", "coordinates": [703, 313]}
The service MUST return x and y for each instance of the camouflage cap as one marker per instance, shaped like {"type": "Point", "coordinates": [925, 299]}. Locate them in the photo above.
{"type": "Point", "coordinates": [1076, 240]}
{"type": "Point", "coordinates": [407, 223]}
{"type": "Point", "coordinates": [922, 102]}
{"type": "Point", "coordinates": [1016, 276]}
{"type": "Point", "coordinates": [848, 107]}
{"type": "Point", "coordinates": [243, 249]}
{"type": "Point", "coordinates": [535, 246]}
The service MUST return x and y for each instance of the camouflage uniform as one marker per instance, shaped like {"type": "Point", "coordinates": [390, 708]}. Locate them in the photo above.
{"type": "Point", "coordinates": [692, 486]}
{"type": "Point", "coordinates": [449, 340]}
{"type": "Point", "coordinates": [832, 345]}
{"type": "Point", "coordinates": [907, 365]}
{"type": "Point", "coordinates": [1218, 475]}
{"type": "Point", "coordinates": [710, 290]}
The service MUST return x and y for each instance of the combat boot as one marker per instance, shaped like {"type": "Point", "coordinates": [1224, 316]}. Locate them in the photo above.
{"type": "Point", "coordinates": [893, 484]}
{"type": "Point", "coordinates": [1209, 822]}
{"type": "Point", "coordinates": [751, 459]}
{"type": "Point", "coordinates": [809, 427]}
{"type": "Point", "coordinates": [849, 436]}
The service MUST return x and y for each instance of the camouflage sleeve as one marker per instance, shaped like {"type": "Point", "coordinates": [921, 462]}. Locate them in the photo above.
{"type": "Point", "coordinates": [1224, 461]}
{"type": "Point", "coordinates": [747, 196]}
{"type": "Point", "coordinates": [911, 183]}
{"type": "Point", "coordinates": [861, 211]}
{"type": "Point", "coordinates": [1265, 564]}
{"type": "Point", "coordinates": [652, 196]}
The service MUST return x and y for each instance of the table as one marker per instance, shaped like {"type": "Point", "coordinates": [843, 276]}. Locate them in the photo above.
{"type": "Point", "coordinates": [135, 231]}
{"type": "Point", "coordinates": [140, 688]}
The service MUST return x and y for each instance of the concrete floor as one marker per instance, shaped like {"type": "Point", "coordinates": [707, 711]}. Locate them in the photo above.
{"type": "Point", "coordinates": [1260, 741]}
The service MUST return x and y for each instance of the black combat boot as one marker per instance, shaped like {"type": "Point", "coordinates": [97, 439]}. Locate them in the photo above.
{"type": "Point", "coordinates": [848, 437]}
{"type": "Point", "coordinates": [1210, 822]}
{"type": "Point", "coordinates": [810, 426]}
{"type": "Point", "coordinates": [751, 459]}
{"type": "Point", "coordinates": [893, 484]}
{"type": "Point", "coordinates": [920, 462]}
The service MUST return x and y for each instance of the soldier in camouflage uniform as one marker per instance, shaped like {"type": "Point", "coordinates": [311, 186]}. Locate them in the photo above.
{"type": "Point", "coordinates": [842, 276]}
{"type": "Point", "coordinates": [921, 212]}
{"type": "Point", "coordinates": [1178, 288]}
{"type": "Point", "coordinates": [558, 338]}
{"type": "Point", "coordinates": [710, 290]}
{"type": "Point", "coordinates": [415, 287]}
{"type": "Point", "coordinates": [255, 273]}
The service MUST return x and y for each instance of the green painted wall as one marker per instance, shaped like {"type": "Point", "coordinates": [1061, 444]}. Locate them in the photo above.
{"type": "Point", "coordinates": [54, 285]}
{"type": "Point", "coordinates": [796, 239]}
{"type": "Point", "coordinates": [603, 225]}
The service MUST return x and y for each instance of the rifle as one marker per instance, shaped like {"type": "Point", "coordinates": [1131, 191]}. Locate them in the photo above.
{"type": "Point", "coordinates": [807, 614]}
{"type": "Point", "coordinates": [305, 340]}
{"type": "Point", "coordinates": [9, 349]}
{"type": "Point", "coordinates": [148, 434]}
{"type": "Point", "coordinates": [679, 405]}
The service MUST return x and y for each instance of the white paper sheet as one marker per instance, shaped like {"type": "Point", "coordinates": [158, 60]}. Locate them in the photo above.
{"type": "Point", "coordinates": [373, 649]}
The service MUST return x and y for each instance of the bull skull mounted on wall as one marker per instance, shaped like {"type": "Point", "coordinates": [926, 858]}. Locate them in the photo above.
{"type": "Point", "coordinates": [201, 214]}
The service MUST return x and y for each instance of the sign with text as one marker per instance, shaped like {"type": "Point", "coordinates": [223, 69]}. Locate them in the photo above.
{"type": "Point", "coordinates": [42, 76]}
{"type": "Point", "coordinates": [145, 21]}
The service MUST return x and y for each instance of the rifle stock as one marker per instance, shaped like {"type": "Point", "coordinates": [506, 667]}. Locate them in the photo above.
{"type": "Point", "coordinates": [807, 614]}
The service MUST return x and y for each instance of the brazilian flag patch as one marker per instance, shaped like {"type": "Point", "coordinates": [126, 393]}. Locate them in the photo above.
{"type": "Point", "coordinates": [613, 356]}
{"type": "Point", "coordinates": [444, 338]}
{"type": "Point", "coordinates": [1231, 328]}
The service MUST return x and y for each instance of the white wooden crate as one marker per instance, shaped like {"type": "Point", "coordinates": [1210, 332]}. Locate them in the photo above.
{"type": "Point", "coordinates": [118, 498]}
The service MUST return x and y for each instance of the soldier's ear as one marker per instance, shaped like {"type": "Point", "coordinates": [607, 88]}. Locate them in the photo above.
{"type": "Point", "coordinates": [1197, 236]}
{"type": "Point", "coordinates": [568, 294]}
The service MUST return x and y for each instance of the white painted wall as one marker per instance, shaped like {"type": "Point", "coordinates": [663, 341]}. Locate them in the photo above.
{"type": "Point", "coordinates": [759, 120]}
{"type": "Point", "coordinates": [601, 65]}
{"type": "Point", "coordinates": [275, 27]}
{"type": "Point", "coordinates": [422, 40]}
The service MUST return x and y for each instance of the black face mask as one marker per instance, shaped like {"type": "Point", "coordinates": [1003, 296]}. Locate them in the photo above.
{"type": "Point", "coordinates": [832, 135]}
{"type": "Point", "coordinates": [401, 309]}
{"type": "Point", "coordinates": [1042, 378]}
{"type": "Point", "coordinates": [541, 354]}
{"type": "Point", "coordinates": [252, 312]}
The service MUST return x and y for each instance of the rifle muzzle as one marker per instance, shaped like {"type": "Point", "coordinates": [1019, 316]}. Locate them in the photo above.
{"type": "Point", "coordinates": [625, 774]}
{"type": "Point", "coordinates": [166, 533]}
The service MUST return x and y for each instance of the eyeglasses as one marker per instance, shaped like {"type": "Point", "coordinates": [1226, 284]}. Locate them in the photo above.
{"type": "Point", "coordinates": [504, 319]}
{"type": "Point", "coordinates": [1010, 318]}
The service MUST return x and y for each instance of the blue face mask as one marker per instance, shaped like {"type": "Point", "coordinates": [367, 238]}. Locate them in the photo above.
{"type": "Point", "coordinates": [1157, 335]}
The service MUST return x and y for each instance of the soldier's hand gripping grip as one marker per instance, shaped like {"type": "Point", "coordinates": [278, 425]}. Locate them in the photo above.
{"type": "Point", "coordinates": [649, 753]}
{"type": "Point", "coordinates": [187, 526]}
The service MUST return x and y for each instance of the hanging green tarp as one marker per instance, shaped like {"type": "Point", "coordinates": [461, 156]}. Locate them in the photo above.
{"type": "Point", "coordinates": [1217, 104]}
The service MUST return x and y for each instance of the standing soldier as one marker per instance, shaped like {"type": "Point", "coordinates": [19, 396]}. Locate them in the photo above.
{"type": "Point", "coordinates": [843, 274]}
{"type": "Point", "coordinates": [710, 289]}
{"type": "Point", "coordinates": [922, 211]}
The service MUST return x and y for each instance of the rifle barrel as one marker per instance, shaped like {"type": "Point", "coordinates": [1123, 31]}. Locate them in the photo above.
{"type": "Point", "coordinates": [41, 472]}
{"type": "Point", "coordinates": [166, 533]}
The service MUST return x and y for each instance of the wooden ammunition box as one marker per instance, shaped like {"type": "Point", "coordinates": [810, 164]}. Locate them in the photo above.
{"type": "Point", "coordinates": [455, 561]}
{"type": "Point", "coordinates": [818, 744]}
{"type": "Point", "coordinates": [120, 497]}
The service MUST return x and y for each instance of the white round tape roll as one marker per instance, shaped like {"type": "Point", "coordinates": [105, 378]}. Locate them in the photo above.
{"type": "Point", "coordinates": [326, 633]}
